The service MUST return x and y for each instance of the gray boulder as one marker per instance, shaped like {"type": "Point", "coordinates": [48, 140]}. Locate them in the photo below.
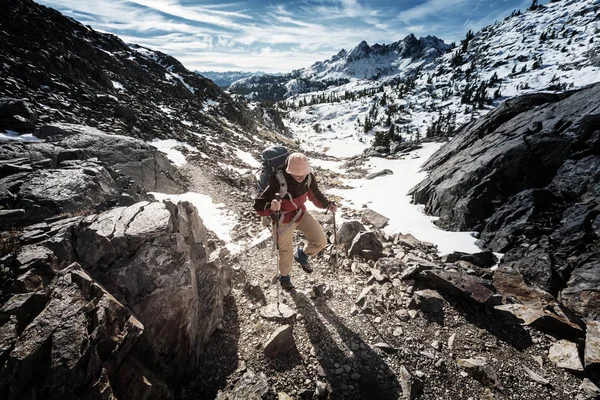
{"type": "Point", "coordinates": [17, 115]}
{"type": "Point", "coordinates": [347, 232]}
{"type": "Point", "coordinates": [367, 245]}
{"type": "Point", "coordinates": [149, 260]}
{"type": "Point", "coordinates": [526, 176]}
{"type": "Point", "coordinates": [374, 218]}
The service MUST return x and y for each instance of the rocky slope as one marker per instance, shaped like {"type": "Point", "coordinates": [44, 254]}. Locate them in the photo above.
{"type": "Point", "coordinates": [106, 293]}
{"type": "Point", "coordinates": [67, 72]}
{"type": "Point", "coordinates": [528, 178]}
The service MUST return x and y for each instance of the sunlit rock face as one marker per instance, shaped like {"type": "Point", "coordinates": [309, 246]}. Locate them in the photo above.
{"type": "Point", "coordinates": [130, 292]}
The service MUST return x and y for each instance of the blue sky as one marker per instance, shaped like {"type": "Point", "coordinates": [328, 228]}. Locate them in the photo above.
{"type": "Point", "coordinates": [278, 36]}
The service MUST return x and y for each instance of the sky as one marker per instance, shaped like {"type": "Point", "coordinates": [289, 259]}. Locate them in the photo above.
{"type": "Point", "coordinates": [278, 36]}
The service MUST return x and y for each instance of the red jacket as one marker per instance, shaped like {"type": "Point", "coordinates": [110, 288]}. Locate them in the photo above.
{"type": "Point", "coordinates": [298, 193]}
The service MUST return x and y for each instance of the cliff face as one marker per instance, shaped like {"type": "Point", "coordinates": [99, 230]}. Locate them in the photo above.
{"type": "Point", "coordinates": [527, 176]}
{"type": "Point", "coordinates": [116, 304]}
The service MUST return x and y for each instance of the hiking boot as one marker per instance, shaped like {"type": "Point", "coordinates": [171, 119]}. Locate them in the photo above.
{"type": "Point", "coordinates": [302, 259]}
{"type": "Point", "coordinates": [286, 283]}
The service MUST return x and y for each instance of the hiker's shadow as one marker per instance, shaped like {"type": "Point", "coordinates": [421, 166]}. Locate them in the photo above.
{"type": "Point", "coordinates": [357, 371]}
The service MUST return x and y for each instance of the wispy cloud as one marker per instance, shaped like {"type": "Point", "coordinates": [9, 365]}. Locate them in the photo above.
{"type": "Point", "coordinates": [428, 9]}
{"type": "Point", "coordinates": [276, 36]}
{"type": "Point", "coordinates": [205, 15]}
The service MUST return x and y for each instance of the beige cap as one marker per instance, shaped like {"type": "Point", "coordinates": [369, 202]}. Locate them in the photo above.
{"type": "Point", "coordinates": [297, 164]}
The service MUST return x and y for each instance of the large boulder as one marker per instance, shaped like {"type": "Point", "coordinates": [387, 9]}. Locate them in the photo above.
{"type": "Point", "coordinates": [526, 176]}
{"type": "Point", "coordinates": [66, 340]}
{"type": "Point", "coordinates": [75, 286]}
{"type": "Point", "coordinates": [46, 193]}
{"type": "Point", "coordinates": [78, 170]}
{"type": "Point", "coordinates": [17, 115]}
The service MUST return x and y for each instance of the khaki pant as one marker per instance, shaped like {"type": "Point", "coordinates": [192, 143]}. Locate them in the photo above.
{"type": "Point", "coordinates": [314, 235]}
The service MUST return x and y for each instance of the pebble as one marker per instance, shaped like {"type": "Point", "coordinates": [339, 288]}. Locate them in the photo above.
{"type": "Point", "coordinates": [355, 376]}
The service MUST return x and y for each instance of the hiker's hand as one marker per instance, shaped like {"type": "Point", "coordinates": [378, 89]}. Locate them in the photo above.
{"type": "Point", "coordinates": [275, 205]}
{"type": "Point", "coordinates": [332, 207]}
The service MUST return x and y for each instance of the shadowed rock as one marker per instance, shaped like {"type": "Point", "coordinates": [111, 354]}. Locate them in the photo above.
{"type": "Point", "coordinates": [280, 341]}
{"type": "Point", "coordinates": [532, 193]}
{"type": "Point", "coordinates": [456, 284]}
{"type": "Point", "coordinates": [152, 259]}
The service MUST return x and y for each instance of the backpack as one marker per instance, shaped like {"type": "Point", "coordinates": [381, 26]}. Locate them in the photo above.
{"type": "Point", "coordinates": [273, 162]}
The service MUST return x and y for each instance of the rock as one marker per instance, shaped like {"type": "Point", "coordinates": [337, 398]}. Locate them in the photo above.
{"type": "Point", "coordinates": [429, 301]}
{"type": "Point", "coordinates": [485, 259]}
{"type": "Point", "coordinates": [581, 294]}
{"type": "Point", "coordinates": [590, 388]}
{"type": "Point", "coordinates": [377, 275]}
{"type": "Point", "coordinates": [363, 295]}
{"type": "Point", "coordinates": [409, 242]}
{"type": "Point", "coordinates": [535, 376]}
{"type": "Point", "coordinates": [275, 312]}
{"type": "Point", "coordinates": [386, 347]}
{"type": "Point", "coordinates": [390, 267]}
{"type": "Point", "coordinates": [321, 389]}
{"type": "Point", "coordinates": [457, 284]}
{"type": "Point", "coordinates": [411, 386]}
{"type": "Point", "coordinates": [383, 172]}
{"type": "Point", "coordinates": [565, 355]}
{"type": "Point", "coordinates": [250, 386]}
{"type": "Point", "coordinates": [47, 193]}
{"type": "Point", "coordinates": [10, 218]}
{"type": "Point", "coordinates": [17, 115]}
{"type": "Point", "coordinates": [366, 245]}
{"type": "Point", "coordinates": [592, 345]}
{"type": "Point", "coordinates": [451, 340]}
{"type": "Point", "coordinates": [511, 284]}
{"type": "Point", "coordinates": [479, 369]}
{"type": "Point", "coordinates": [545, 319]}
{"type": "Point", "coordinates": [279, 342]}
{"type": "Point", "coordinates": [533, 194]}
{"type": "Point", "coordinates": [255, 292]}
{"type": "Point", "coordinates": [347, 232]}
{"type": "Point", "coordinates": [83, 346]}
{"type": "Point", "coordinates": [283, 396]}
{"type": "Point", "coordinates": [373, 218]}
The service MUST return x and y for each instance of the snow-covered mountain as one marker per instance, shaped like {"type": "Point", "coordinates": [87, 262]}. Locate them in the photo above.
{"type": "Point", "coordinates": [77, 75]}
{"type": "Point", "coordinates": [362, 62]}
{"type": "Point", "coordinates": [224, 79]}
{"type": "Point", "coordinates": [548, 48]}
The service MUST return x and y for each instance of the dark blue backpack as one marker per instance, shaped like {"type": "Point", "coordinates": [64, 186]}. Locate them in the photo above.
{"type": "Point", "coordinates": [273, 162]}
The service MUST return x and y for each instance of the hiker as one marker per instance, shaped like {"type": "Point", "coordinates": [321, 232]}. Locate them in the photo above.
{"type": "Point", "coordinates": [302, 185]}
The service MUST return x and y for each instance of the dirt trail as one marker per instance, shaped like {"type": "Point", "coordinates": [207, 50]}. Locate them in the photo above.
{"type": "Point", "coordinates": [380, 350]}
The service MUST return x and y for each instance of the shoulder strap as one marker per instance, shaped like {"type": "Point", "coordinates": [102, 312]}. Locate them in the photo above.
{"type": "Point", "coordinates": [283, 187]}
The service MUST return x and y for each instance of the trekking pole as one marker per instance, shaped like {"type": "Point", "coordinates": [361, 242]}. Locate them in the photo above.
{"type": "Point", "coordinates": [276, 237]}
{"type": "Point", "coordinates": [335, 249]}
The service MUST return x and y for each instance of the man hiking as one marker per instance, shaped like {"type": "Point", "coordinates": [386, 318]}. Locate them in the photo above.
{"type": "Point", "coordinates": [301, 185]}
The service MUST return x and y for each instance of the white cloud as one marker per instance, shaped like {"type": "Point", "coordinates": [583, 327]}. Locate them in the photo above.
{"type": "Point", "coordinates": [194, 13]}
{"type": "Point", "coordinates": [428, 9]}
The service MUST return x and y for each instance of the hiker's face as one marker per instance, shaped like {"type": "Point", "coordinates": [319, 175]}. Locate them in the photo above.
{"type": "Point", "coordinates": [299, 178]}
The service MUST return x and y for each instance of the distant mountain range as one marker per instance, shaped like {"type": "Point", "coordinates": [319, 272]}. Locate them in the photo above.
{"type": "Point", "coordinates": [362, 62]}
{"type": "Point", "coordinates": [424, 87]}
{"type": "Point", "coordinates": [224, 79]}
